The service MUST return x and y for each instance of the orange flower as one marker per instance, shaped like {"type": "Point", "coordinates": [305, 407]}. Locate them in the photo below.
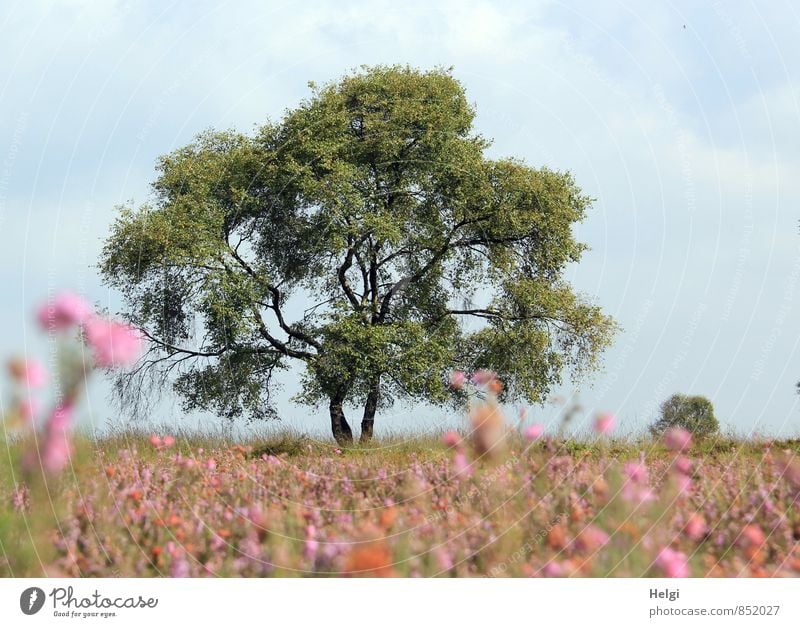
{"type": "Point", "coordinates": [373, 559]}
{"type": "Point", "coordinates": [557, 537]}
{"type": "Point", "coordinates": [388, 516]}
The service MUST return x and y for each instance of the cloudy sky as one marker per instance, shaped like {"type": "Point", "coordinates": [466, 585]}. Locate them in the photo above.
{"type": "Point", "coordinates": [681, 119]}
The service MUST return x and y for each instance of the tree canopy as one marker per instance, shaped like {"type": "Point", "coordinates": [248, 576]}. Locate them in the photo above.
{"type": "Point", "coordinates": [693, 413]}
{"type": "Point", "coordinates": [359, 236]}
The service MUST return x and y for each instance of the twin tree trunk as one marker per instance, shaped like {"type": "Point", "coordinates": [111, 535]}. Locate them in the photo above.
{"type": "Point", "coordinates": [342, 432]}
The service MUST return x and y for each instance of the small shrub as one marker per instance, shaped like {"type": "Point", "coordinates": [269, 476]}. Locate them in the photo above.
{"type": "Point", "coordinates": [693, 413]}
{"type": "Point", "coordinates": [284, 444]}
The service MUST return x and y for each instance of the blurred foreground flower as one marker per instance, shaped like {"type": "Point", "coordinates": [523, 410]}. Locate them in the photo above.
{"type": "Point", "coordinates": [113, 343]}
{"type": "Point", "coordinates": [27, 372]}
{"type": "Point", "coordinates": [672, 563]}
{"type": "Point", "coordinates": [677, 439]}
{"type": "Point", "coordinates": [604, 423]}
{"type": "Point", "coordinates": [62, 312]}
{"type": "Point", "coordinates": [533, 432]}
{"type": "Point", "coordinates": [371, 559]}
{"type": "Point", "coordinates": [457, 379]}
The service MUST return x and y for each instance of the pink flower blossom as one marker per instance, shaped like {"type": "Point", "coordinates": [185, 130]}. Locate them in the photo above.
{"type": "Point", "coordinates": [752, 536]}
{"type": "Point", "coordinates": [28, 372]}
{"type": "Point", "coordinates": [451, 439]}
{"type": "Point", "coordinates": [443, 559]}
{"type": "Point", "coordinates": [168, 441]}
{"type": "Point", "coordinates": [553, 569]}
{"type": "Point", "coordinates": [683, 465]}
{"type": "Point", "coordinates": [695, 528]}
{"type": "Point", "coordinates": [62, 417]}
{"type": "Point", "coordinates": [683, 483]}
{"type": "Point", "coordinates": [156, 441]}
{"type": "Point", "coordinates": [591, 538]}
{"type": "Point", "coordinates": [311, 544]}
{"type": "Point", "coordinates": [677, 439]}
{"type": "Point", "coordinates": [636, 471]}
{"type": "Point", "coordinates": [604, 423]}
{"type": "Point", "coordinates": [56, 451]}
{"type": "Point", "coordinates": [55, 445]}
{"type": "Point", "coordinates": [533, 432]}
{"type": "Point", "coordinates": [457, 379]}
{"type": "Point", "coordinates": [483, 376]}
{"type": "Point", "coordinates": [113, 343]}
{"type": "Point", "coordinates": [672, 563]}
{"type": "Point", "coordinates": [462, 464]}
{"type": "Point", "coordinates": [179, 567]}
{"type": "Point", "coordinates": [64, 311]}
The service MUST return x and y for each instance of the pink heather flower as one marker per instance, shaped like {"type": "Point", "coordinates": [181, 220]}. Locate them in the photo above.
{"type": "Point", "coordinates": [113, 343]}
{"type": "Point", "coordinates": [457, 379]}
{"type": "Point", "coordinates": [211, 464]}
{"type": "Point", "coordinates": [591, 538]}
{"type": "Point", "coordinates": [56, 451]}
{"type": "Point", "coordinates": [752, 535]}
{"type": "Point", "coordinates": [636, 471]}
{"type": "Point", "coordinates": [311, 544]}
{"type": "Point", "coordinates": [179, 567]}
{"type": "Point", "coordinates": [638, 494]}
{"type": "Point", "coordinates": [695, 528]}
{"type": "Point", "coordinates": [683, 465]}
{"type": "Point", "coordinates": [683, 483]}
{"type": "Point", "coordinates": [451, 439]}
{"type": "Point", "coordinates": [482, 377]}
{"type": "Point", "coordinates": [672, 563]}
{"type": "Point", "coordinates": [533, 432]}
{"type": "Point", "coordinates": [62, 417]}
{"type": "Point", "coordinates": [604, 423]}
{"type": "Point", "coordinates": [677, 439]}
{"type": "Point", "coordinates": [156, 441]}
{"type": "Point", "coordinates": [553, 569]}
{"type": "Point", "coordinates": [461, 464]}
{"type": "Point", "coordinates": [443, 559]}
{"type": "Point", "coordinates": [55, 446]}
{"type": "Point", "coordinates": [28, 372]}
{"type": "Point", "coordinates": [168, 441]}
{"type": "Point", "coordinates": [310, 548]}
{"type": "Point", "coordinates": [64, 311]}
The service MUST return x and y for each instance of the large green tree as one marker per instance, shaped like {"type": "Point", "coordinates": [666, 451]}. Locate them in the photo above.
{"type": "Point", "coordinates": [358, 236]}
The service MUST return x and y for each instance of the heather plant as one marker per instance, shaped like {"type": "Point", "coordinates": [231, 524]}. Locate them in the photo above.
{"type": "Point", "coordinates": [40, 447]}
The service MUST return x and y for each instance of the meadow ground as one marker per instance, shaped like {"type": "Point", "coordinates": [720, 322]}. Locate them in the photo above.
{"type": "Point", "coordinates": [137, 505]}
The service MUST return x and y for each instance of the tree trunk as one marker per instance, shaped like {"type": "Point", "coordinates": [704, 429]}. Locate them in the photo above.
{"type": "Point", "coordinates": [342, 432]}
{"type": "Point", "coordinates": [369, 410]}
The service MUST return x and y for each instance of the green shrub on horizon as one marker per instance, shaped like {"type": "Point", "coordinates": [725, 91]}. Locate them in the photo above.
{"type": "Point", "coordinates": [693, 413]}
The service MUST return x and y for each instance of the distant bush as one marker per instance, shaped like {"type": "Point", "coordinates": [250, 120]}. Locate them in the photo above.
{"type": "Point", "coordinates": [693, 413]}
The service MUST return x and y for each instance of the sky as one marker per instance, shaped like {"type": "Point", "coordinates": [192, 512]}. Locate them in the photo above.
{"type": "Point", "coordinates": [682, 120]}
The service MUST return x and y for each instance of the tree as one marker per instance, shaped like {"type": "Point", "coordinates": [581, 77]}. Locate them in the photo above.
{"type": "Point", "coordinates": [693, 413]}
{"type": "Point", "coordinates": [372, 203]}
